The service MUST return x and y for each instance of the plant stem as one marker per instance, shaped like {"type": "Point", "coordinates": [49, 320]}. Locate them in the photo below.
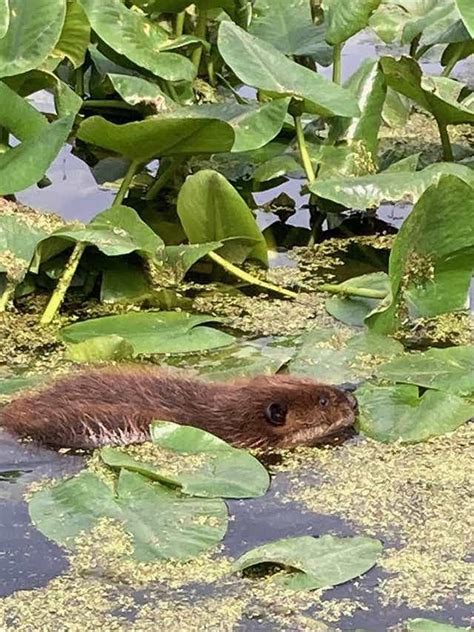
{"type": "Point", "coordinates": [445, 142]}
{"type": "Point", "coordinates": [79, 81]}
{"type": "Point", "coordinates": [454, 59]}
{"type": "Point", "coordinates": [414, 45]}
{"type": "Point", "coordinates": [324, 287]}
{"type": "Point", "coordinates": [126, 182]}
{"type": "Point", "coordinates": [179, 25]}
{"type": "Point", "coordinates": [242, 14]}
{"type": "Point", "coordinates": [200, 31]}
{"type": "Point", "coordinates": [303, 149]}
{"type": "Point", "coordinates": [7, 295]}
{"type": "Point", "coordinates": [64, 282]}
{"type": "Point", "coordinates": [336, 63]}
{"type": "Point", "coordinates": [162, 178]}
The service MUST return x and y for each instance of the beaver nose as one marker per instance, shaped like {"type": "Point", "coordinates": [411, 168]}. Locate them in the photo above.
{"type": "Point", "coordinates": [348, 387]}
{"type": "Point", "coordinates": [352, 400]}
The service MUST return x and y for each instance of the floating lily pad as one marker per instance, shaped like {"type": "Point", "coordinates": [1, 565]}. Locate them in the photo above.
{"type": "Point", "coordinates": [449, 370]}
{"type": "Point", "coordinates": [398, 413]}
{"type": "Point", "coordinates": [428, 625]}
{"type": "Point", "coordinates": [100, 349]}
{"type": "Point", "coordinates": [353, 310]}
{"type": "Point", "coordinates": [225, 472]}
{"type": "Point", "coordinates": [327, 357]}
{"type": "Point", "coordinates": [152, 332]}
{"type": "Point", "coordinates": [11, 385]}
{"type": "Point", "coordinates": [321, 562]}
{"type": "Point", "coordinates": [164, 523]}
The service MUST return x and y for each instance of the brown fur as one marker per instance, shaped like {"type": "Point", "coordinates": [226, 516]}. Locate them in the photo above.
{"type": "Point", "coordinates": [116, 406]}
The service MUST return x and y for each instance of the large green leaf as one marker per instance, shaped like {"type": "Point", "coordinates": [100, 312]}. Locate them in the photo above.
{"type": "Point", "coordinates": [362, 192]}
{"type": "Point", "coordinates": [345, 18]}
{"type": "Point", "coordinates": [75, 36]}
{"type": "Point", "coordinates": [368, 86]}
{"type": "Point", "coordinates": [17, 116]}
{"type": "Point", "coordinates": [34, 28]}
{"type": "Point", "coordinates": [140, 40]}
{"type": "Point", "coordinates": [162, 135]}
{"type": "Point", "coordinates": [254, 125]}
{"type": "Point", "coordinates": [152, 332]}
{"type": "Point", "coordinates": [4, 17]}
{"type": "Point", "coordinates": [258, 64]}
{"type": "Point", "coordinates": [223, 471]}
{"type": "Point", "coordinates": [288, 26]}
{"type": "Point", "coordinates": [320, 562]}
{"type": "Point", "coordinates": [438, 95]}
{"type": "Point", "coordinates": [25, 164]}
{"type": "Point", "coordinates": [210, 209]}
{"type": "Point", "coordinates": [432, 259]}
{"type": "Point", "coordinates": [323, 356]}
{"type": "Point", "coordinates": [136, 91]}
{"type": "Point", "coordinates": [398, 413]}
{"type": "Point", "coordinates": [466, 9]}
{"type": "Point", "coordinates": [449, 369]}
{"type": "Point", "coordinates": [352, 310]}
{"type": "Point", "coordinates": [164, 524]}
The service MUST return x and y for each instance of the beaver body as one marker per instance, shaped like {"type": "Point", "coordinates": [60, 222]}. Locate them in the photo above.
{"type": "Point", "coordinates": [116, 405]}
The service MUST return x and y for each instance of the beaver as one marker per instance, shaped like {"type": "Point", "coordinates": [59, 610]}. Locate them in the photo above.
{"type": "Point", "coordinates": [114, 406]}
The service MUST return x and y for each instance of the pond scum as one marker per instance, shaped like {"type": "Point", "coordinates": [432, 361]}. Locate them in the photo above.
{"type": "Point", "coordinates": [416, 498]}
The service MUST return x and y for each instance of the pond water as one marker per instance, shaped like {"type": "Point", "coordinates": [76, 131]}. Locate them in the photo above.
{"type": "Point", "coordinates": [28, 560]}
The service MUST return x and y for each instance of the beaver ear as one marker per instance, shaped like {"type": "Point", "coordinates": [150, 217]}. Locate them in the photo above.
{"type": "Point", "coordinates": [275, 413]}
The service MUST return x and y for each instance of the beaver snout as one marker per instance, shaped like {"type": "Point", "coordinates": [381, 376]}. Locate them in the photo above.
{"type": "Point", "coordinates": [352, 401]}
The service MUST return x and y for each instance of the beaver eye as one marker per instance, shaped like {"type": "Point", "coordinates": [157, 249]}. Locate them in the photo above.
{"type": "Point", "coordinates": [276, 414]}
{"type": "Point", "coordinates": [323, 401]}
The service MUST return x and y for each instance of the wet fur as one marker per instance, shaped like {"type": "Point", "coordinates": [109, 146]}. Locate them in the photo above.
{"type": "Point", "coordinates": [116, 405]}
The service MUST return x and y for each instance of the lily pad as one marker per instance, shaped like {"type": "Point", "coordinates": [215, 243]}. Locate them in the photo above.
{"type": "Point", "coordinates": [152, 332]}
{"type": "Point", "coordinates": [164, 524]}
{"type": "Point", "coordinates": [352, 310]}
{"type": "Point", "coordinates": [259, 64]}
{"type": "Point", "coordinates": [398, 413]}
{"type": "Point", "coordinates": [327, 357]}
{"type": "Point", "coordinates": [224, 472]}
{"type": "Point", "coordinates": [100, 349]}
{"type": "Point", "coordinates": [321, 562]}
{"type": "Point", "coordinates": [428, 625]}
{"type": "Point", "coordinates": [11, 385]}
{"type": "Point", "coordinates": [449, 369]}
{"type": "Point", "coordinates": [210, 209]}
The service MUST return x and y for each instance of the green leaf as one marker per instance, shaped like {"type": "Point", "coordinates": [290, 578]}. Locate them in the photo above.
{"type": "Point", "coordinates": [428, 625]}
{"type": "Point", "coordinates": [398, 413]}
{"type": "Point", "coordinates": [181, 258]}
{"type": "Point", "coordinates": [432, 258]}
{"type": "Point", "coordinates": [396, 109]}
{"type": "Point", "coordinates": [18, 117]}
{"type": "Point", "coordinates": [321, 562]}
{"type": "Point", "coordinates": [325, 357]}
{"type": "Point", "coordinates": [450, 369]}
{"type": "Point", "coordinates": [75, 36]}
{"type": "Point", "coordinates": [25, 164]}
{"type": "Point", "coordinates": [18, 240]}
{"type": "Point", "coordinates": [258, 64]}
{"type": "Point", "coordinates": [133, 35]}
{"type": "Point", "coordinates": [438, 95]}
{"type": "Point", "coordinates": [164, 135]}
{"type": "Point", "coordinates": [137, 91]}
{"type": "Point", "coordinates": [100, 349]}
{"type": "Point", "coordinates": [152, 332]}
{"type": "Point", "coordinates": [223, 471]}
{"type": "Point", "coordinates": [4, 17]}
{"type": "Point", "coordinates": [345, 19]}
{"type": "Point", "coordinates": [11, 385]}
{"type": "Point", "coordinates": [367, 85]}
{"type": "Point", "coordinates": [210, 209]}
{"type": "Point", "coordinates": [34, 28]}
{"type": "Point", "coordinates": [125, 283]}
{"type": "Point", "coordinates": [352, 310]}
{"type": "Point", "coordinates": [288, 26]}
{"type": "Point", "coordinates": [466, 9]}
{"type": "Point", "coordinates": [364, 192]}
{"type": "Point", "coordinates": [254, 125]}
{"type": "Point", "coordinates": [276, 168]}
{"type": "Point", "coordinates": [163, 523]}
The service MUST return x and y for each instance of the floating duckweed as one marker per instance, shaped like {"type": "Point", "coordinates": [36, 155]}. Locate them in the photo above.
{"type": "Point", "coordinates": [417, 497]}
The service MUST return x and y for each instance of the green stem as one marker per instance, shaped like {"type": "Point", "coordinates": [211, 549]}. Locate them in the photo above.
{"type": "Point", "coordinates": [7, 295]}
{"type": "Point", "coordinates": [126, 182]}
{"type": "Point", "coordinates": [336, 63]}
{"type": "Point", "coordinates": [414, 45]}
{"type": "Point", "coordinates": [445, 142]}
{"type": "Point", "coordinates": [200, 31]}
{"type": "Point", "coordinates": [79, 81]}
{"type": "Point", "coordinates": [163, 177]}
{"type": "Point", "coordinates": [353, 291]}
{"type": "Point", "coordinates": [303, 149]}
{"type": "Point", "coordinates": [242, 14]}
{"type": "Point", "coordinates": [179, 25]}
{"type": "Point", "coordinates": [454, 59]}
{"type": "Point", "coordinates": [64, 282]}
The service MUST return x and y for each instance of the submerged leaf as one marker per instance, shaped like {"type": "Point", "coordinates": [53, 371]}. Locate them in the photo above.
{"type": "Point", "coordinates": [321, 562]}
{"type": "Point", "coordinates": [164, 524]}
{"type": "Point", "coordinates": [398, 413]}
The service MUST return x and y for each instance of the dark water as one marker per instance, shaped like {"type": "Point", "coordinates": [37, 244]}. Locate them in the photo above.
{"type": "Point", "coordinates": [29, 560]}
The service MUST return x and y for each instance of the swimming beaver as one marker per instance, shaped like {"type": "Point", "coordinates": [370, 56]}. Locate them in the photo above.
{"type": "Point", "coordinates": [116, 405]}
